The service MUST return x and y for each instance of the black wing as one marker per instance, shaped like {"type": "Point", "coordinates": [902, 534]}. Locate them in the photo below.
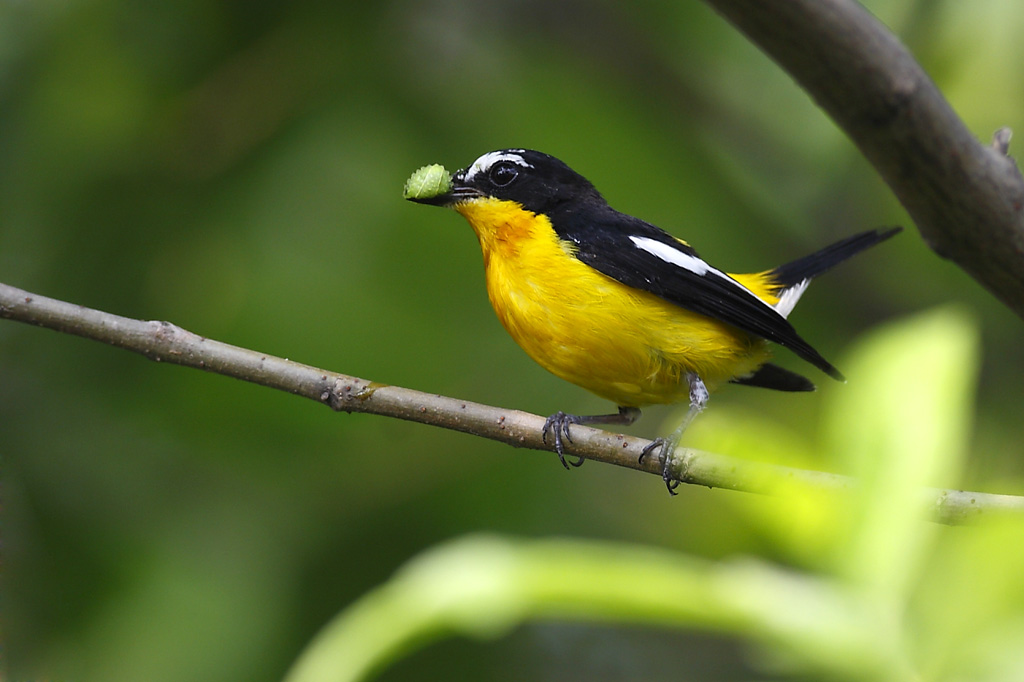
{"type": "Point", "coordinates": [646, 257]}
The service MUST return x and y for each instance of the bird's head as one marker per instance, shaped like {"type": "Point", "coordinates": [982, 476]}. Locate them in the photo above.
{"type": "Point", "coordinates": [537, 182]}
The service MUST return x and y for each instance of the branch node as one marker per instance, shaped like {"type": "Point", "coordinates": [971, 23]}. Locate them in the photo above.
{"type": "Point", "coordinates": [347, 392]}
{"type": "Point", "coordinates": [166, 332]}
{"type": "Point", "coordinates": [1001, 140]}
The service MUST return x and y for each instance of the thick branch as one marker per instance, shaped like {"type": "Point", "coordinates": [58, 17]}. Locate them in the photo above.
{"type": "Point", "coordinates": [966, 198]}
{"type": "Point", "coordinates": [165, 342]}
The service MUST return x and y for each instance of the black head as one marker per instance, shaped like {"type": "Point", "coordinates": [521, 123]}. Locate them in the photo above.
{"type": "Point", "coordinates": [539, 182]}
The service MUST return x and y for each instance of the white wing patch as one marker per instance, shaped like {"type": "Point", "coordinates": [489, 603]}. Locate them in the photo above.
{"type": "Point", "coordinates": [787, 301]}
{"type": "Point", "coordinates": [484, 163]}
{"type": "Point", "coordinates": [671, 255]}
{"type": "Point", "coordinates": [699, 267]}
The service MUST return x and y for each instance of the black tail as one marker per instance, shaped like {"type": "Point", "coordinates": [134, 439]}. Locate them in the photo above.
{"type": "Point", "coordinates": [793, 278]}
{"type": "Point", "coordinates": [775, 377]}
{"type": "Point", "coordinates": [811, 266]}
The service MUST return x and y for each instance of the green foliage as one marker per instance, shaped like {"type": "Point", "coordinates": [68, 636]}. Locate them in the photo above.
{"type": "Point", "coordinates": [888, 596]}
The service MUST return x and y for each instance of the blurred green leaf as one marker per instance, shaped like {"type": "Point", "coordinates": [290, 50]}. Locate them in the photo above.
{"type": "Point", "coordinates": [967, 607]}
{"type": "Point", "coordinates": [798, 519]}
{"type": "Point", "coordinates": [483, 586]}
{"type": "Point", "coordinates": [899, 426]}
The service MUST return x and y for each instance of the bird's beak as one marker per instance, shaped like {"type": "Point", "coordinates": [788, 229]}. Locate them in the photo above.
{"type": "Point", "coordinates": [458, 193]}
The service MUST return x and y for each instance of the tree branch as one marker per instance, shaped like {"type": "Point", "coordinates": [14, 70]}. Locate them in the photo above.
{"type": "Point", "coordinates": [166, 342]}
{"type": "Point", "coordinates": [966, 198]}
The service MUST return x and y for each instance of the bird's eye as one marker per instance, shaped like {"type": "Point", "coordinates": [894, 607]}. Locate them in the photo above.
{"type": "Point", "coordinates": [503, 173]}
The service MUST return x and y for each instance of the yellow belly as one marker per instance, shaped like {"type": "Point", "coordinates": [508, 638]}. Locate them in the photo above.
{"type": "Point", "coordinates": [623, 344]}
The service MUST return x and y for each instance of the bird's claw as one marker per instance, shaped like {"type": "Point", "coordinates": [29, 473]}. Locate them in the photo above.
{"type": "Point", "coordinates": [558, 425]}
{"type": "Point", "coordinates": [667, 447]}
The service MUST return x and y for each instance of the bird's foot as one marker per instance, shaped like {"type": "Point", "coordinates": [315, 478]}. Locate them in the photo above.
{"type": "Point", "coordinates": [667, 447]}
{"type": "Point", "coordinates": [558, 426]}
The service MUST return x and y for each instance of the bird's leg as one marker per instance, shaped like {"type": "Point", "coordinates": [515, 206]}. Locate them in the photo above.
{"type": "Point", "coordinates": [558, 425]}
{"type": "Point", "coordinates": [698, 401]}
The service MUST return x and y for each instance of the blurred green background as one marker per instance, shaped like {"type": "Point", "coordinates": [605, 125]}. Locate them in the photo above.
{"type": "Point", "coordinates": [236, 168]}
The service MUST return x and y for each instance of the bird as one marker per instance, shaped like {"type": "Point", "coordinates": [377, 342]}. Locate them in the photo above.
{"type": "Point", "coordinates": [619, 306]}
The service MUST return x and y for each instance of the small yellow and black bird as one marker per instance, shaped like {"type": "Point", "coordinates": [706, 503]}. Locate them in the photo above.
{"type": "Point", "coordinates": [619, 306]}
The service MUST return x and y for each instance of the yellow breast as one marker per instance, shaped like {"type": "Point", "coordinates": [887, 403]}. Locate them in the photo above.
{"type": "Point", "coordinates": [623, 344]}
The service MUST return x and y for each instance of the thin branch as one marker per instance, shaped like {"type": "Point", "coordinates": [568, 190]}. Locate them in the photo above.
{"type": "Point", "coordinates": [166, 342]}
{"type": "Point", "coordinates": [966, 198]}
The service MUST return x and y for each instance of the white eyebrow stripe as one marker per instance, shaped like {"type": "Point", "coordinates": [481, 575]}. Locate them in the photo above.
{"type": "Point", "coordinates": [484, 163]}
{"type": "Point", "coordinates": [699, 267]}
